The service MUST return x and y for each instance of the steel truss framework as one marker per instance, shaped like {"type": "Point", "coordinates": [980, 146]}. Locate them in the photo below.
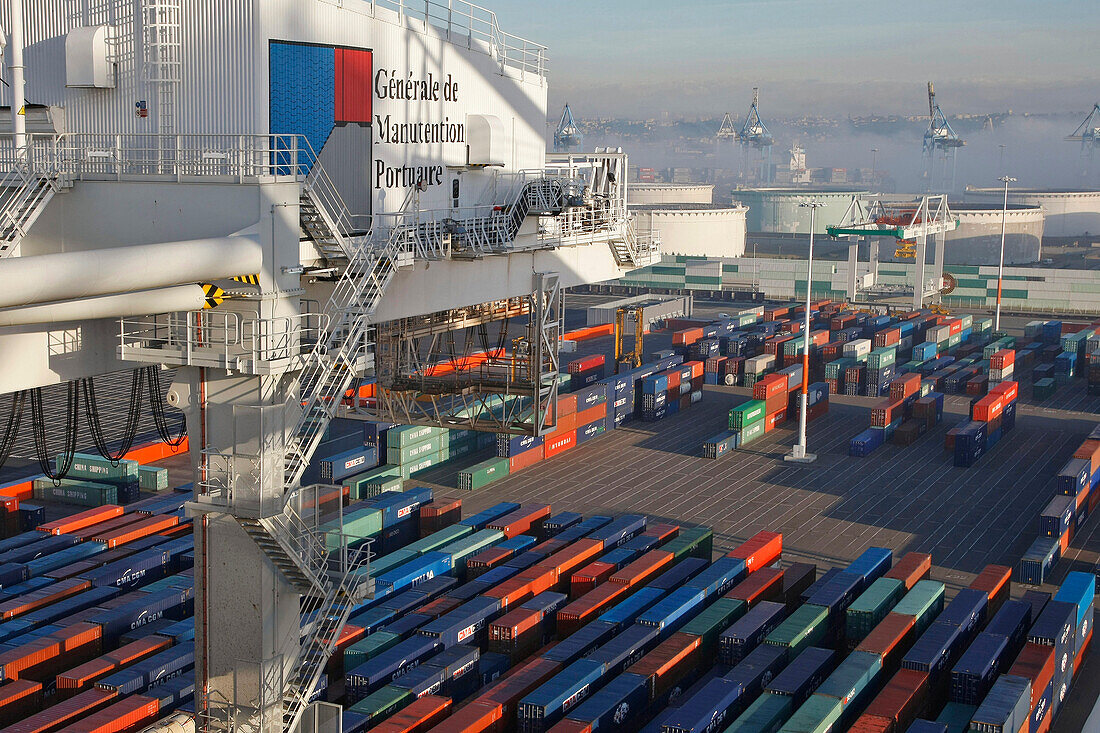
{"type": "Point", "coordinates": [501, 385]}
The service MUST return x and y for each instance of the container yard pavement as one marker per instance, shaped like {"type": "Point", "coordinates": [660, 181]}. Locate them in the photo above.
{"type": "Point", "coordinates": [906, 498]}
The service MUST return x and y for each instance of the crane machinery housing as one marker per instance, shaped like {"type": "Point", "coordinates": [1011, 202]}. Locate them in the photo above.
{"type": "Point", "coordinates": [755, 134]}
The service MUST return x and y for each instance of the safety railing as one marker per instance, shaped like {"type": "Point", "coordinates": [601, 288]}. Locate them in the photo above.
{"type": "Point", "coordinates": [471, 25]}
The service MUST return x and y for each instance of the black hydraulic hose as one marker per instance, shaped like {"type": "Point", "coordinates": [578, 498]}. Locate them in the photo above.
{"type": "Point", "coordinates": [38, 424]}
{"type": "Point", "coordinates": [156, 399]}
{"type": "Point", "coordinates": [15, 418]}
{"type": "Point", "coordinates": [91, 410]}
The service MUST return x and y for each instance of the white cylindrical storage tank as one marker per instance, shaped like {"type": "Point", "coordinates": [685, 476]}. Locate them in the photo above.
{"type": "Point", "coordinates": [694, 229]}
{"type": "Point", "coordinates": [1069, 212]}
{"type": "Point", "coordinates": [669, 193]}
{"type": "Point", "coordinates": [777, 210]}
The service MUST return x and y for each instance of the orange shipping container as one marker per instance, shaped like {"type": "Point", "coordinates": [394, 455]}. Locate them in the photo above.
{"type": "Point", "coordinates": [591, 415]}
{"type": "Point", "coordinates": [150, 525]}
{"type": "Point", "coordinates": [687, 337]}
{"type": "Point", "coordinates": [759, 551]}
{"type": "Point", "coordinates": [671, 661]}
{"type": "Point", "coordinates": [988, 408]}
{"type": "Point", "coordinates": [1090, 451]}
{"type": "Point", "coordinates": [890, 640]}
{"type": "Point", "coordinates": [82, 519]}
{"type": "Point", "coordinates": [902, 699]}
{"type": "Point", "coordinates": [644, 568]}
{"type": "Point", "coordinates": [124, 715]}
{"type": "Point", "coordinates": [27, 602]}
{"type": "Point", "coordinates": [569, 558]}
{"type": "Point", "coordinates": [586, 608]}
{"type": "Point", "coordinates": [418, 717]}
{"type": "Point", "coordinates": [996, 581]}
{"type": "Point", "coordinates": [770, 386]}
{"type": "Point", "coordinates": [18, 699]}
{"type": "Point", "coordinates": [57, 715]}
{"type": "Point", "coordinates": [571, 726]}
{"type": "Point", "coordinates": [589, 577]}
{"type": "Point", "coordinates": [1008, 390]}
{"type": "Point", "coordinates": [914, 567]}
{"type": "Point", "coordinates": [763, 585]}
{"type": "Point", "coordinates": [559, 443]}
{"type": "Point", "coordinates": [526, 459]}
{"type": "Point", "coordinates": [473, 717]}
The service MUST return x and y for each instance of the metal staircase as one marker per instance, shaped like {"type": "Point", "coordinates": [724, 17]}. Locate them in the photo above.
{"type": "Point", "coordinates": [331, 586]}
{"type": "Point", "coordinates": [23, 201]}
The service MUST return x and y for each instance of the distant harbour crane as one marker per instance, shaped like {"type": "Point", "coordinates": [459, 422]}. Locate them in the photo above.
{"type": "Point", "coordinates": [1088, 134]}
{"type": "Point", "coordinates": [568, 136]}
{"type": "Point", "coordinates": [940, 138]}
{"type": "Point", "coordinates": [755, 134]}
{"type": "Point", "coordinates": [727, 132]}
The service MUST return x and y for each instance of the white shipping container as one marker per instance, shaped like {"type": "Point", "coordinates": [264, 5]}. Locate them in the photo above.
{"type": "Point", "coordinates": [857, 348]}
{"type": "Point", "coordinates": [759, 364]}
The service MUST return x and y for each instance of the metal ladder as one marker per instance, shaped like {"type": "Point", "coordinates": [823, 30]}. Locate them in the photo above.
{"type": "Point", "coordinates": [22, 205]}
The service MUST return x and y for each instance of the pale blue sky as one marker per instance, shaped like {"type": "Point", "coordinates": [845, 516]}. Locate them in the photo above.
{"type": "Point", "coordinates": [826, 56]}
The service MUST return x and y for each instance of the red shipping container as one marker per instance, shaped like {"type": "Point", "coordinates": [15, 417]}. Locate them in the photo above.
{"type": "Point", "coordinates": [521, 520]}
{"type": "Point", "coordinates": [589, 577]}
{"type": "Point", "coordinates": [956, 326]}
{"type": "Point", "coordinates": [902, 699]}
{"type": "Point", "coordinates": [763, 585]}
{"type": "Point", "coordinates": [473, 717]}
{"type": "Point", "coordinates": [674, 379]}
{"type": "Point", "coordinates": [58, 715]}
{"type": "Point", "coordinates": [774, 344]}
{"type": "Point", "coordinates": [558, 444]}
{"type": "Point", "coordinates": [887, 337]}
{"type": "Point", "coordinates": [567, 404]}
{"type": "Point", "coordinates": [988, 408]}
{"type": "Point", "coordinates": [759, 551]}
{"type": "Point", "coordinates": [486, 559]}
{"type": "Point", "coordinates": [904, 386]}
{"type": "Point", "coordinates": [586, 363]}
{"type": "Point", "coordinates": [648, 566]}
{"type": "Point", "coordinates": [890, 639]}
{"type": "Point", "coordinates": [913, 567]}
{"type": "Point", "coordinates": [569, 558]}
{"type": "Point", "coordinates": [996, 581]}
{"type": "Point", "coordinates": [1003, 358]}
{"type": "Point", "coordinates": [513, 625]}
{"type": "Point", "coordinates": [793, 326]}
{"type": "Point", "coordinates": [589, 606]}
{"type": "Point", "coordinates": [571, 726]}
{"type": "Point", "coordinates": [663, 532]}
{"type": "Point", "coordinates": [82, 519]}
{"type": "Point", "coordinates": [776, 418]}
{"type": "Point", "coordinates": [696, 368]}
{"type": "Point", "coordinates": [525, 459]}
{"type": "Point", "coordinates": [670, 662]}
{"type": "Point", "coordinates": [1035, 662]}
{"type": "Point", "coordinates": [18, 699]}
{"type": "Point", "coordinates": [1080, 658]}
{"type": "Point", "coordinates": [84, 675]}
{"type": "Point", "coordinates": [1090, 451]}
{"type": "Point", "coordinates": [1009, 390]}
{"type": "Point", "coordinates": [124, 715]}
{"type": "Point", "coordinates": [776, 402]}
{"type": "Point", "coordinates": [27, 602]}
{"type": "Point", "coordinates": [816, 411]}
{"type": "Point", "coordinates": [147, 526]}
{"type": "Point", "coordinates": [591, 415]}
{"type": "Point", "coordinates": [107, 526]}
{"type": "Point", "coordinates": [440, 606]}
{"type": "Point", "coordinates": [687, 337]}
{"type": "Point", "coordinates": [886, 412]}
{"type": "Point", "coordinates": [418, 717]}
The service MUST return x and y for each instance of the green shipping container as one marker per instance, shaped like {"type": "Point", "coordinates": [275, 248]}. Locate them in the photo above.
{"type": "Point", "coordinates": [883, 357]}
{"type": "Point", "coordinates": [357, 525]}
{"type": "Point", "coordinates": [390, 561]}
{"type": "Point", "coordinates": [408, 470]}
{"type": "Point", "coordinates": [804, 628]}
{"type": "Point", "coordinates": [435, 540]}
{"type": "Point", "coordinates": [712, 621]}
{"type": "Point", "coordinates": [80, 493]}
{"type": "Point", "coordinates": [766, 715]}
{"type": "Point", "coordinates": [482, 474]}
{"type": "Point", "coordinates": [412, 452]}
{"type": "Point", "coordinates": [746, 414]}
{"type": "Point", "coordinates": [368, 648]}
{"type": "Point", "coordinates": [406, 435]}
{"type": "Point", "coordinates": [871, 607]}
{"type": "Point", "coordinates": [463, 548]}
{"type": "Point", "coordinates": [693, 542]}
{"type": "Point", "coordinates": [923, 602]}
{"type": "Point", "coordinates": [383, 703]}
{"type": "Point", "coordinates": [957, 716]}
{"type": "Point", "coordinates": [86, 466]}
{"type": "Point", "coordinates": [374, 487]}
{"type": "Point", "coordinates": [151, 478]}
{"type": "Point", "coordinates": [854, 680]}
{"type": "Point", "coordinates": [819, 714]}
{"type": "Point", "coordinates": [751, 432]}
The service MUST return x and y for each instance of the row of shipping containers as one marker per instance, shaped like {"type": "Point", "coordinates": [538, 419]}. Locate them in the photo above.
{"type": "Point", "coordinates": [776, 398]}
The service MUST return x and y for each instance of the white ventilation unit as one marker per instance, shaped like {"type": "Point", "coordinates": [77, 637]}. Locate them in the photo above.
{"type": "Point", "coordinates": [485, 141]}
{"type": "Point", "coordinates": [89, 57]}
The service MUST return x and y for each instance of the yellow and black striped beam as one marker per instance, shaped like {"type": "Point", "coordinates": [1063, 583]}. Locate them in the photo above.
{"type": "Point", "coordinates": [248, 279]}
{"type": "Point", "coordinates": [215, 296]}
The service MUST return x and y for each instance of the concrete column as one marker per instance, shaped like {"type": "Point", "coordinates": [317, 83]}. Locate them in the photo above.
{"type": "Point", "coordinates": [938, 257]}
{"type": "Point", "coordinates": [918, 272]}
{"type": "Point", "coordinates": [853, 266]}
